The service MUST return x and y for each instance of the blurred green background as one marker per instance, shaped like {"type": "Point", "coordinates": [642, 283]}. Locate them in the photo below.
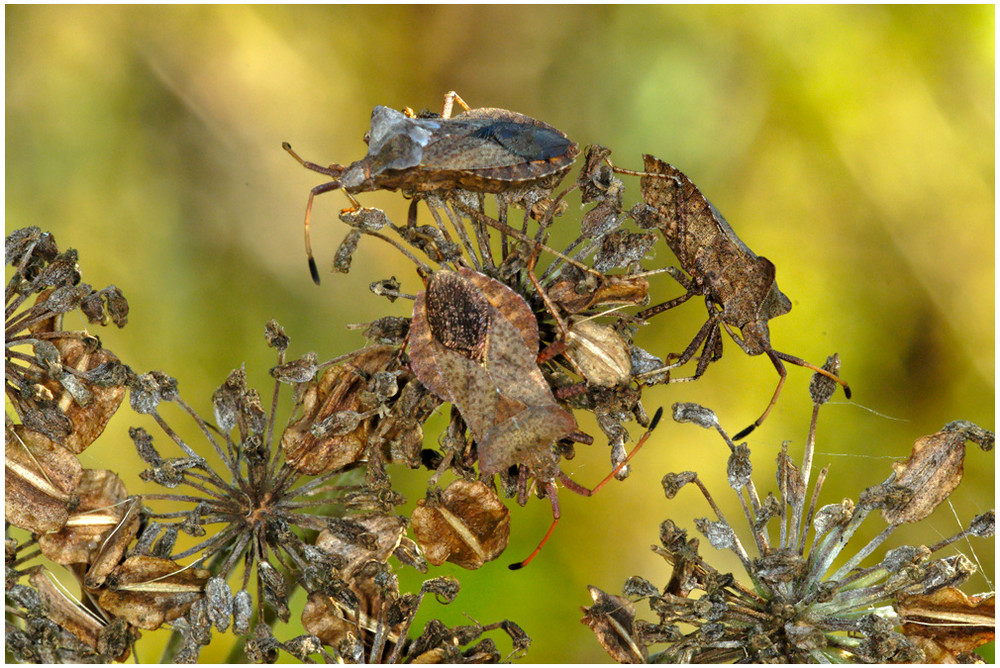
{"type": "Point", "coordinates": [853, 146]}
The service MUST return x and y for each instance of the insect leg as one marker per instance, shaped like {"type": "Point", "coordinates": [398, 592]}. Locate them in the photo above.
{"type": "Point", "coordinates": [450, 98]}
{"type": "Point", "coordinates": [583, 491]}
{"type": "Point", "coordinates": [688, 353]}
{"type": "Point", "coordinates": [798, 361]}
{"type": "Point", "coordinates": [552, 493]}
{"type": "Point", "coordinates": [645, 314]}
{"type": "Point", "coordinates": [783, 373]}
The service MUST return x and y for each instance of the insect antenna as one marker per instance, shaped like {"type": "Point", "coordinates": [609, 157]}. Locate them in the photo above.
{"type": "Point", "coordinates": [333, 170]}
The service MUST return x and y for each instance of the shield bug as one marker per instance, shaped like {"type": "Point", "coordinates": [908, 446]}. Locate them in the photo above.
{"type": "Point", "coordinates": [474, 342]}
{"type": "Point", "coordinates": [739, 286]}
{"type": "Point", "coordinates": [480, 150]}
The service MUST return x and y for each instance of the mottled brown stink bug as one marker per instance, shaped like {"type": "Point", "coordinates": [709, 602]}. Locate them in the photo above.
{"type": "Point", "coordinates": [481, 150]}
{"type": "Point", "coordinates": [474, 342]}
{"type": "Point", "coordinates": [739, 286]}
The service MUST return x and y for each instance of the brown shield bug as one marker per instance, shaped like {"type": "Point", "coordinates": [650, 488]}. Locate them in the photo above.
{"type": "Point", "coordinates": [474, 342]}
{"type": "Point", "coordinates": [739, 287]}
{"type": "Point", "coordinates": [480, 150]}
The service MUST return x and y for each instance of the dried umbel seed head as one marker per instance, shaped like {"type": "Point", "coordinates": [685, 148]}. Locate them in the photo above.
{"type": "Point", "coordinates": [808, 601]}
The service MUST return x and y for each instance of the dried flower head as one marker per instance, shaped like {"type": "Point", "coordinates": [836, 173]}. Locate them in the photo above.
{"type": "Point", "coordinates": [62, 384]}
{"type": "Point", "coordinates": [801, 603]}
{"type": "Point", "coordinates": [257, 511]}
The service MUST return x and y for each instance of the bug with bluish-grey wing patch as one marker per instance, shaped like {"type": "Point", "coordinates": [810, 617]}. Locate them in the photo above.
{"type": "Point", "coordinates": [480, 150]}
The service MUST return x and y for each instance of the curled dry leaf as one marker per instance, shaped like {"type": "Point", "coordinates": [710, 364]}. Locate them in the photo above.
{"type": "Point", "coordinates": [932, 472]}
{"type": "Point", "coordinates": [612, 619]}
{"type": "Point", "coordinates": [148, 591]}
{"type": "Point", "coordinates": [41, 478]}
{"type": "Point", "coordinates": [337, 393]}
{"type": "Point", "coordinates": [947, 622]}
{"type": "Point", "coordinates": [466, 524]}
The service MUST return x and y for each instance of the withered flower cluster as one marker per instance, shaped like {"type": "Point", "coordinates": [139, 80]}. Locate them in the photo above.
{"type": "Point", "coordinates": [265, 510]}
{"type": "Point", "coordinates": [516, 340]}
{"type": "Point", "coordinates": [63, 387]}
{"type": "Point", "coordinates": [797, 603]}
{"type": "Point", "coordinates": [282, 511]}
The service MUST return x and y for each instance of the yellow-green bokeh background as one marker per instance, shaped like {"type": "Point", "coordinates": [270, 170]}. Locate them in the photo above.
{"type": "Point", "coordinates": [853, 146]}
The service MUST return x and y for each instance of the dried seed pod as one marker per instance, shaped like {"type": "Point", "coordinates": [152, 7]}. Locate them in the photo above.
{"type": "Point", "coordinates": [384, 534]}
{"type": "Point", "coordinates": [220, 602]}
{"type": "Point", "coordinates": [106, 304]}
{"type": "Point", "coordinates": [273, 589]}
{"type": "Point", "coordinates": [574, 296]}
{"type": "Point", "coordinates": [339, 390]}
{"type": "Point", "coordinates": [99, 530]}
{"type": "Point", "coordinates": [932, 472]}
{"type": "Point", "coordinates": [365, 219]}
{"type": "Point", "coordinates": [40, 482]}
{"type": "Point", "coordinates": [148, 591]}
{"type": "Point", "coordinates": [275, 335]}
{"type": "Point", "coordinates": [390, 330]}
{"type": "Point", "coordinates": [345, 252]}
{"type": "Point", "coordinates": [948, 622]}
{"type": "Point", "coordinates": [599, 353]}
{"type": "Point", "coordinates": [150, 389]}
{"type": "Point", "coordinates": [71, 616]}
{"type": "Point", "coordinates": [821, 388]}
{"type": "Point", "coordinates": [465, 524]}
{"type": "Point", "coordinates": [400, 434]}
{"type": "Point", "coordinates": [673, 482]}
{"type": "Point", "coordinates": [699, 415]}
{"type": "Point", "coordinates": [387, 287]}
{"type": "Point", "coordinates": [242, 612]}
{"type": "Point", "coordinates": [93, 404]}
{"type": "Point", "coordinates": [297, 371]}
{"type": "Point", "coordinates": [612, 619]}
{"type": "Point", "coordinates": [408, 553]}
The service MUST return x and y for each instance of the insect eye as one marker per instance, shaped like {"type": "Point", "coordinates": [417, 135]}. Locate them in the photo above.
{"type": "Point", "coordinates": [367, 137]}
